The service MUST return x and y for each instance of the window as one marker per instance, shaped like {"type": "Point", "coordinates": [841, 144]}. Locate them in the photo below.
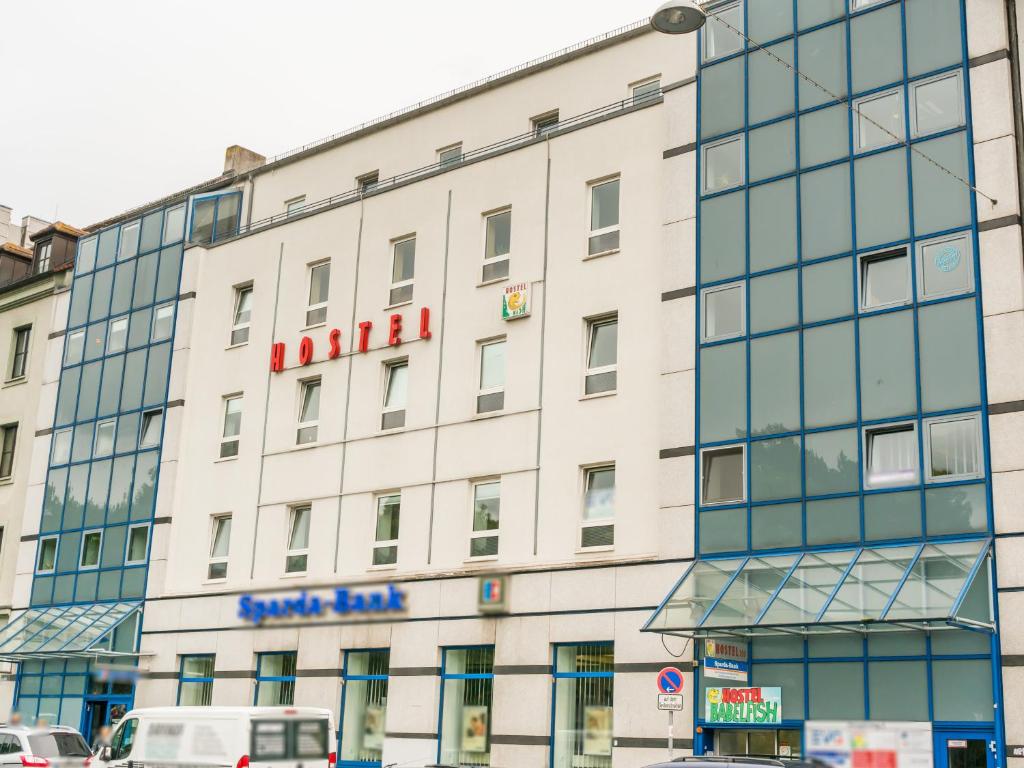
{"type": "Point", "coordinates": [47, 559]}
{"type": "Point", "coordinates": [309, 412]}
{"type": "Point", "coordinates": [720, 32]}
{"type": "Point", "coordinates": [104, 443]}
{"type": "Point", "coordinates": [275, 679]}
{"type": "Point", "coordinates": [724, 312]}
{"type": "Point", "coordinates": [878, 120]}
{"type": "Point", "coordinates": [232, 426]}
{"type": "Point", "coordinates": [195, 682]}
{"type": "Point", "coordinates": [403, 269]}
{"type": "Point", "coordinates": [497, 246]}
{"type": "Point", "coordinates": [483, 542]}
{"type": "Point", "coordinates": [8, 441]}
{"type": "Point", "coordinates": [449, 156]}
{"type": "Point", "coordinates": [243, 315]}
{"type": "Point", "coordinates": [117, 335]}
{"type": "Point", "coordinates": [385, 548]}
{"type": "Point", "coordinates": [890, 456]}
{"type": "Point", "coordinates": [723, 165]}
{"type": "Point", "coordinates": [651, 89]}
{"type": "Point", "coordinates": [602, 355]}
{"type": "Point", "coordinates": [598, 527]}
{"type": "Point", "coordinates": [884, 279]}
{"type": "Point", "coordinates": [723, 475]}
{"type": "Point", "coordinates": [368, 181]}
{"type": "Point", "coordinates": [149, 432]}
{"type": "Point", "coordinates": [129, 245]}
{"type": "Point", "coordinates": [583, 678]}
{"type": "Point", "coordinates": [294, 205]}
{"type": "Point", "coordinates": [856, 5]}
{"type": "Point", "coordinates": [76, 348]}
{"type": "Point", "coordinates": [90, 553]}
{"type": "Point", "coordinates": [215, 217]}
{"type": "Point", "coordinates": [163, 322]}
{"type": "Point", "coordinates": [43, 257]}
{"type": "Point", "coordinates": [545, 123]}
{"type": "Point", "coordinates": [61, 453]}
{"type": "Point", "coordinates": [19, 352]}
{"type": "Point", "coordinates": [491, 396]}
{"type": "Point", "coordinates": [604, 217]}
{"type": "Point", "coordinates": [945, 266]}
{"type": "Point", "coordinates": [952, 448]}
{"type": "Point", "coordinates": [220, 542]}
{"type": "Point", "coordinates": [364, 700]}
{"type": "Point", "coordinates": [297, 557]}
{"type": "Point", "coordinates": [124, 738]}
{"type": "Point", "coordinates": [319, 279]}
{"type": "Point", "coordinates": [936, 104]}
{"type": "Point", "coordinates": [396, 384]}
{"type": "Point", "coordinates": [467, 680]}
{"type": "Point", "coordinates": [138, 544]}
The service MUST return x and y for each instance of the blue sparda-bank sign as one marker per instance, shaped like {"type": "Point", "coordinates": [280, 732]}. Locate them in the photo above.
{"type": "Point", "coordinates": [344, 602]}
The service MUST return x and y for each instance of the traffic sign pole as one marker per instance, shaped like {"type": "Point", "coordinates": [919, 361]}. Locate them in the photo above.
{"type": "Point", "coordinates": [671, 751]}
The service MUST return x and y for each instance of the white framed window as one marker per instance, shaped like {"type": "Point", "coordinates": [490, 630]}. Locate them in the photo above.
{"type": "Point", "coordinates": [117, 335]}
{"type": "Point", "coordinates": [319, 288]}
{"type": "Point", "coordinates": [543, 124]}
{"type": "Point", "coordinates": [60, 453]}
{"type": "Point", "coordinates": [403, 270]}
{"type": "Point", "coordinates": [104, 441]}
{"type": "Point", "coordinates": [945, 266]}
{"type": "Point", "coordinates": [385, 538]}
{"type": "Point", "coordinates": [483, 541]}
{"type": "Point", "coordinates": [149, 431]}
{"type": "Point", "coordinates": [368, 181]}
{"type": "Point", "coordinates": [163, 323]}
{"type": "Point", "coordinates": [604, 217]}
{"type": "Point", "coordinates": [602, 355]}
{"type": "Point", "coordinates": [723, 475]}
{"type": "Point", "coordinates": [878, 120]}
{"type": "Point", "coordinates": [722, 165]}
{"type": "Point", "coordinates": [497, 245]}
{"type": "Point", "coordinates": [491, 395]}
{"type": "Point", "coordinates": [138, 544]}
{"type": "Point", "coordinates": [884, 279]}
{"type": "Point", "coordinates": [309, 412]}
{"type": "Point", "coordinates": [242, 316]}
{"type": "Point", "coordinates": [19, 352]}
{"type": "Point", "coordinates": [129, 245]}
{"type": "Point", "coordinates": [719, 35]}
{"type": "Point", "coordinates": [293, 206]}
{"type": "Point", "coordinates": [75, 349]}
{"type": "Point", "coordinates": [937, 104]}
{"type": "Point", "coordinates": [297, 557]}
{"type": "Point", "coordinates": [597, 526]}
{"type": "Point", "coordinates": [890, 455]}
{"type": "Point", "coordinates": [46, 562]}
{"type": "Point", "coordinates": [89, 556]}
{"type": "Point", "coordinates": [232, 426]}
{"type": "Point", "coordinates": [856, 5]}
{"type": "Point", "coordinates": [645, 90]}
{"type": "Point", "coordinates": [723, 312]}
{"type": "Point", "coordinates": [952, 448]}
{"type": "Point", "coordinates": [396, 390]}
{"type": "Point", "coordinates": [8, 443]}
{"type": "Point", "coordinates": [220, 544]}
{"type": "Point", "coordinates": [450, 155]}
{"type": "Point", "coordinates": [43, 257]}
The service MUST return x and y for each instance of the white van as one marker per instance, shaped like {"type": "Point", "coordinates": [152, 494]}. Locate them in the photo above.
{"type": "Point", "coordinates": [223, 737]}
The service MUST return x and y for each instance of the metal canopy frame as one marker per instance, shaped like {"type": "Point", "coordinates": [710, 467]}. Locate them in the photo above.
{"type": "Point", "coordinates": [65, 632]}
{"type": "Point", "coordinates": [900, 587]}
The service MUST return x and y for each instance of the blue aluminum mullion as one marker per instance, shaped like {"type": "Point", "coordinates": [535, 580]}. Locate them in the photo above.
{"type": "Point", "coordinates": [902, 581]}
{"type": "Point", "coordinates": [778, 589]}
{"type": "Point", "coordinates": [725, 589]}
{"type": "Point", "coordinates": [748, 464]}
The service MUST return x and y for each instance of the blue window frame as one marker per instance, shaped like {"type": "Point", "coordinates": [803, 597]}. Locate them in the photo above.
{"type": "Point", "coordinates": [464, 720]}
{"type": "Point", "coordinates": [582, 705]}
{"type": "Point", "coordinates": [275, 679]}
{"type": "Point", "coordinates": [214, 217]}
{"type": "Point", "coordinates": [195, 680]}
{"type": "Point", "coordinates": [364, 701]}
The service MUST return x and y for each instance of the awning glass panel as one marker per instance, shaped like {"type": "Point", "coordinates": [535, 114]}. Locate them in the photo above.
{"type": "Point", "coordinates": [935, 581]}
{"type": "Point", "coordinates": [748, 594]}
{"type": "Point", "coordinates": [809, 587]}
{"type": "Point", "coordinates": [868, 587]}
{"type": "Point", "coordinates": [696, 592]}
{"type": "Point", "coordinates": [66, 632]}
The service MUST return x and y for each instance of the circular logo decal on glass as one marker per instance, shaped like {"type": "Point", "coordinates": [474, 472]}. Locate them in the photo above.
{"type": "Point", "coordinates": [947, 259]}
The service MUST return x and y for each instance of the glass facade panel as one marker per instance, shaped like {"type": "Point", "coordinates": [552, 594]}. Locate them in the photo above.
{"type": "Point", "coordinates": [823, 135]}
{"type": "Point", "coordinates": [772, 225]}
{"type": "Point", "coordinates": [775, 469]}
{"type": "Point", "coordinates": [831, 462]}
{"type": "Point", "coordinates": [771, 83]}
{"type": "Point", "coordinates": [788, 677]}
{"type": "Point", "coordinates": [723, 377]}
{"type": "Point", "coordinates": [769, 20]}
{"type": "Point", "coordinates": [933, 35]}
{"type": "Point", "coordinates": [962, 690]}
{"type": "Point", "coordinates": [949, 355]}
{"type": "Point", "coordinates": [772, 150]}
{"type": "Point", "coordinates": [887, 377]}
{"type": "Point", "coordinates": [955, 509]}
{"type": "Point", "coordinates": [775, 384]}
{"type": "Point", "coordinates": [824, 212]}
{"type": "Point", "coordinates": [825, 681]}
{"type": "Point", "coordinates": [775, 526]}
{"type": "Point", "coordinates": [823, 60]}
{"type": "Point", "coordinates": [833, 521]}
{"type": "Point", "coordinates": [723, 530]}
{"type": "Point", "coordinates": [773, 301]}
{"type": "Point", "coordinates": [881, 189]}
{"type": "Point", "coordinates": [941, 201]}
{"type": "Point", "coordinates": [876, 44]}
{"type": "Point", "coordinates": [827, 290]}
{"type": "Point", "coordinates": [811, 13]}
{"type": "Point", "coordinates": [723, 94]}
{"type": "Point", "coordinates": [892, 516]}
{"type": "Point", "coordinates": [830, 393]}
{"type": "Point", "coordinates": [722, 243]}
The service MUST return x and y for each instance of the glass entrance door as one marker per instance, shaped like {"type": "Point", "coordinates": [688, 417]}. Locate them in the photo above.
{"type": "Point", "coordinates": [967, 749]}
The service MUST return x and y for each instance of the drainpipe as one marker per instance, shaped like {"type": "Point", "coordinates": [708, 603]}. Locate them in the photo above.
{"type": "Point", "coordinates": [1018, 109]}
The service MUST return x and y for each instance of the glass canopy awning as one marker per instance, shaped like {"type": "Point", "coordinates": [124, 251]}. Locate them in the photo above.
{"type": "Point", "coordinates": [77, 631]}
{"type": "Point", "coordinates": [867, 589]}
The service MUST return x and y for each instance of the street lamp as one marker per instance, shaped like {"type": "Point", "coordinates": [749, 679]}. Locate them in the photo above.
{"type": "Point", "coordinates": [679, 17]}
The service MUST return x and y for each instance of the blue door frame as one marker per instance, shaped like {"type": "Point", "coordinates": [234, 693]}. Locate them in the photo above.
{"type": "Point", "coordinates": [968, 747]}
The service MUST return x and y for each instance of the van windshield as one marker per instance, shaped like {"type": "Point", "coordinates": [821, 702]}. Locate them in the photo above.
{"type": "Point", "coordinates": [288, 739]}
{"type": "Point", "coordinates": [58, 744]}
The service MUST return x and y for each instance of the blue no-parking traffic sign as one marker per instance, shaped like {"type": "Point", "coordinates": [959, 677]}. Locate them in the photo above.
{"type": "Point", "coordinates": [670, 680]}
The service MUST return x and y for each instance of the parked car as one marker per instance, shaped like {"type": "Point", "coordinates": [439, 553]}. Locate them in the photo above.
{"type": "Point", "coordinates": [739, 761]}
{"type": "Point", "coordinates": [56, 745]}
{"type": "Point", "coordinates": [232, 737]}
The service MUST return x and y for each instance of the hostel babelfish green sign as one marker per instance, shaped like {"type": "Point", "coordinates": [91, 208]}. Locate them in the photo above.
{"type": "Point", "coordinates": [758, 706]}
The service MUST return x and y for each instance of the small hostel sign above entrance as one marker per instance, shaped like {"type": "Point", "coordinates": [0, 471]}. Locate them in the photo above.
{"type": "Point", "coordinates": [396, 330]}
{"type": "Point", "coordinates": [744, 706]}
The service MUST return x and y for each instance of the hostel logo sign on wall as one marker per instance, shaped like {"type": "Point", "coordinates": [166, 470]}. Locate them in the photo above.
{"type": "Point", "coordinates": [344, 602]}
{"type": "Point", "coordinates": [762, 706]}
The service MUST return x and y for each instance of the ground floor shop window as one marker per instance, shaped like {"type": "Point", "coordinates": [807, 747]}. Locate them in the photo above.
{"type": "Point", "coordinates": [53, 691]}
{"type": "Point", "coordinates": [195, 685]}
{"type": "Point", "coordinates": [760, 742]}
{"type": "Point", "coordinates": [364, 702]}
{"type": "Point", "coordinates": [583, 678]}
{"type": "Point", "coordinates": [275, 679]}
{"type": "Point", "coordinates": [467, 684]}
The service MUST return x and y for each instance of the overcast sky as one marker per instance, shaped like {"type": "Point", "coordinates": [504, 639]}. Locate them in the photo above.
{"type": "Point", "coordinates": [108, 105]}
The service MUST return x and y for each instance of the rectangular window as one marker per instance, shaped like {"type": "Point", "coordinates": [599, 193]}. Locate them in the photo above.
{"type": "Point", "coordinates": [8, 442]}
{"type": "Point", "coordinates": [47, 559]}
{"type": "Point", "coordinates": [75, 348]}
{"type": "Point", "coordinates": [936, 104]}
{"type": "Point", "coordinates": [723, 165]}
{"type": "Point", "coordinates": [449, 156]}
{"type": "Point", "coordinates": [403, 271]}
{"type": "Point", "coordinates": [723, 475]}
{"type": "Point", "coordinates": [90, 554]}
{"type": "Point", "coordinates": [385, 548]}
{"type": "Point", "coordinates": [195, 683]}
{"type": "Point", "coordinates": [275, 679]}
{"type": "Point", "coordinates": [884, 279]}
{"type": "Point", "coordinates": [483, 541]}
{"type": "Point", "coordinates": [220, 543]}
{"type": "Point", "coordinates": [19, 352]}
{"type": "Point", "coordinates": [396, 384]}
{"type": "Point", "coordinates": [368, 181]}
{"type": "Point", "coordinates": [724, 312]}
{"type": "Point", "coordinates": [242, 315]}
{"type": "Point", "coordinates": [297, 557]}
{"type": "Point", "coordinates": [319, 280]}
{"type": "Point", "coordinates": [583, 679]}
{"type": "Point", "coordinates": [104, 442]}
{"type": "Point", "coordinates": [952, 448]}
{"type": "Point", "coordinates": [138, 544]}
{"type": "Point", "coordinates": [117, 335]}
{"type": "Point", "coordinates": [491, 396]}
{"type": "Point", "coordinates": [890, 456]}
{"type": "Point", "coordinates": [309, 412]}
{"type": "Point", "coordinates": [215, 217]}
{"type": "Point", "coordinates": [604, 217]}
{"type": "Point", "coordinates": [163, 323]}
{"type": "Point", "coordinates": [598, 525]}
{"type": "Point", "coordinates": [602, 355]}
{"type": "Point", "coordinates": [945, 266]}
{"type": "Point", "coordinates": [467, 681]}
{"type": "Point", "coordinates": [856, 5]}
{"type": "Point", "coordinates": [364, 701]}
{"type": "Point", "coordinates": [543, 124]}
{"type": "Point", "coordinates": [720, 34]}
{"type": "Point", "coordinates": [61, 452]}
{"type": "Point", "coordinates": [646, 91]}
{"type": "Point", "coordinates": [149, 432]}
{"type": "Point", "coordinates": [878, 120]}
{"type": "Point", "coordinates": [232, 426]}
{"type": "Point", "coordinates": [43, 257]}
{"type": "Point", "coordinates": [293, 206]}
{"type": "Point", "coordinates": [497, 246]}
{"type": "Point", "coordinates": [129, 245]}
